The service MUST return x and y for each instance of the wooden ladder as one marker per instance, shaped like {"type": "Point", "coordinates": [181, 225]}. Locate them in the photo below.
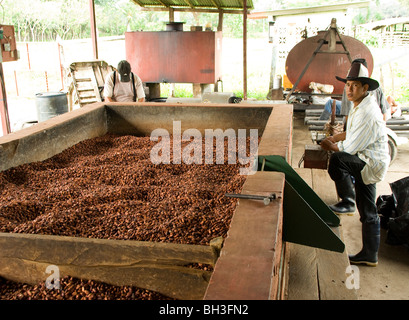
{"type": "Point", "coordinates": [88, 80]}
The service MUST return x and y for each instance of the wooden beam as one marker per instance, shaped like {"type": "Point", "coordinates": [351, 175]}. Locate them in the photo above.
{"type": "Point", "coordinates": [93, 28]}
{"type": "Point", "coordinates": [309, 10]}
{"type": "Point", "coordinates": [139, 3]}
{"type": "Point", "coordinates": [5, 121]}
{"type": "Point", "coordinates": [189, 3]}
{"type": "Point", "coordinates": [220, 25]}
{"type": "Point", "coordinates": [164, 4]}
{"type": "Point", "coordinates": [245, 50]}
{"type": "Point", "coordinates": [171, 15]}
{"type": "Point", "coordinates": [228, 11]}
{"type": "Point", "coordinates": [161, 267]}
{"type": "Point", "coordinates": [215, 4]}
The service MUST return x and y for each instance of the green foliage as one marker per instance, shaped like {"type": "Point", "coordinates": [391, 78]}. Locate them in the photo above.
{"type": "Point", "coordinates": [181, 90]}
{"type": "Point", "coordinates": [402, 93]}
{"type": "Point", "coordinates": [368, 39]}
{"type": "Point", "coordinates": [41, 20]}
{"type": "Point", "coordinates": [45, 20]}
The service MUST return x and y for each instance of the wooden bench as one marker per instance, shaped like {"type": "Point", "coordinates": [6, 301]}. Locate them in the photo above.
{"type": "Point", "coordinates": [317, 274]}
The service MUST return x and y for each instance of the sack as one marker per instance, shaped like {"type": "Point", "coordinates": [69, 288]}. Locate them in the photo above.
{"type": "Point", "coordinates": [386, 209]}
{"type": "Point", "coordinates": [400, 190]}
{"type": "Point", "coordinates": [394, 211]}
{"type": "Point", "coordinates": [321, 88]}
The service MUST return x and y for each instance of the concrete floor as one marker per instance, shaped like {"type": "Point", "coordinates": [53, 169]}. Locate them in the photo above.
{"type": "Point", "coordinates": [390, 279]}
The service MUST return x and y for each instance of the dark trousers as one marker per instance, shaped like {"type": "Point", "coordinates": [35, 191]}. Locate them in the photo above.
{"type": "Point", "coordinates": [341, 166]}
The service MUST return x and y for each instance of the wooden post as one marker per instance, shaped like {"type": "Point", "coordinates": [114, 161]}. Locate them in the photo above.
{"type": "Point", "coordinates": [61, 66]}
{"type": "Point", "coordinates": [171, 15]}
{"type": "Point", "coordinates": [220, 25]}
{"type": "Point", "coordinates": [93, 28]}
{"type": "Point", "coordinates": [28, 57]}
{"type": "Point", "coordinates": [5, 121]}
{"type": "Point", "coordinates": [245, 49]}
{"type": "Point", "coordinates": [15, 80]}
{"type": "Point", "coordinates": [333, 112]}
{"type": "Point", "coordinates": [162, 267]}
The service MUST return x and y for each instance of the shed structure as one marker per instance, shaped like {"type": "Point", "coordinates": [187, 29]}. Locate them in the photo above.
{"type": "Point", "coordinates": [213, 6]}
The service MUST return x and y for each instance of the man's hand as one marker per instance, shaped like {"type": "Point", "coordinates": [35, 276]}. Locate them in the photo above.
{"type": "Point", "coordinates": [329, 144]}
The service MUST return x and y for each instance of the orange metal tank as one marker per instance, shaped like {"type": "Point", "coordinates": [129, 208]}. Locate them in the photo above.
{"type": "Point", "coordinates": [325, 66]}
{"type": "Point", "coordinates": [175, 56]}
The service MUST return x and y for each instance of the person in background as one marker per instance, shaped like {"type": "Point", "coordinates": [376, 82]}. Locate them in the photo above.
{"type": "Point", "coordinates": [327, 112]}
{"type": "Point", "coordinates": [360, 152]}
{"type": "Point", "coordinates": [396, 110]}
{"type": "Point", "coordinates": [123, 85]}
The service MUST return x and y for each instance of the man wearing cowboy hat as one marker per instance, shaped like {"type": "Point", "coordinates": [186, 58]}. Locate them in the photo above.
{"type": "Point", "coordinates": [343, 106]}
{"type": "Point", "coordinates": [360, 152]}
{"type": "Point", "coordinates": [383, 103]}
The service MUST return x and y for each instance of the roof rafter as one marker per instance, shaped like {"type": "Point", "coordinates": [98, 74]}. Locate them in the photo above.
{"type": "Point", "coordinates": [216, 5]}
{"type": "Point", "coordinates": [189, 4]}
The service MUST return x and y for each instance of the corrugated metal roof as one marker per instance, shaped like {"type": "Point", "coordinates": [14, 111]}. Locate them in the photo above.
{"type": "Point", "coordinates": [196, 4]}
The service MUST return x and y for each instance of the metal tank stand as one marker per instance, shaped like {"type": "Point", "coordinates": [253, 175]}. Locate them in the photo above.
{"type": "Point", "coordinates": [332, 33]}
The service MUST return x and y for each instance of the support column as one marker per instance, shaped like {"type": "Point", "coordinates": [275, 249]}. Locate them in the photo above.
{"type": "Point", "coordinates": [244, 49]}
{"type": "Point", "coordinates": [5, 121]}
{"type": "Point", "coordinates": [220, 25]}
{"type": "Point", "coordinates": [93, 29]}
{"type": "Point", "coordinates": [171, 14]}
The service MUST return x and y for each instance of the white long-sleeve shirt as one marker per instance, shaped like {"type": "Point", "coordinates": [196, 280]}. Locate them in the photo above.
{"type": "Point", "coordinates": [366, 137]}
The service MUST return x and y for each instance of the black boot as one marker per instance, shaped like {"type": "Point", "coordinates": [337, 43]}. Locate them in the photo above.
{"type": "Point", "coordinates": [346, 191]}
{"type": "Point", "coordinates": [371, 238]}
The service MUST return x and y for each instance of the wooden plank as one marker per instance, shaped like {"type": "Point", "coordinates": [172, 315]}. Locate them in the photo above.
{"type": "Point", "coordinates": [329, 267]}
{"type": "Point", "coordinates": [44, 140]}
{"type": "Point", "coordinates": [285, 271]}
{"type": "Point", "coordinates": [249, 262]}
{"type": "Point", "coordinates": [332, 266]}
{"type": "Point", "coordinates": [332, 276]}
{"type": "Point", "coordinates": [98, 75]}
{"type": "Point", "coordinates": [88, 76]}
{"type": "Point", "coordinates": [176, 282]}
{"type": "Point", "coordinates": [324, 186]}
{"type": "Point", "coordinates": [277, 134]}
{"type": "Point", "coordinates": [94, 84]}
{"type": "Point", "coordinates": [302, 282]}
{"type": "Point", "coordinates": [87, 251]}
{"type": "Point", "coordinates": [161, 267]}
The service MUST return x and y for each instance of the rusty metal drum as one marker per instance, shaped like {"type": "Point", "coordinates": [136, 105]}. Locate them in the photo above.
{"type": "Point", "coordinates": [325, 66]}
{"type": "Point", "coordinates": [51, 104]}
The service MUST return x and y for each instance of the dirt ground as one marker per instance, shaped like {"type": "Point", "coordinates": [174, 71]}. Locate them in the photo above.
{"type": "Point", "coordinates": [390, 279]}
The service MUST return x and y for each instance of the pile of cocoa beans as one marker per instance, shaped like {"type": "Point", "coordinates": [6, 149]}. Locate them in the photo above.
{"type": "Point", "coordinates": [74, 289]}
{"type": "Point", "coordinates": [108, 188]}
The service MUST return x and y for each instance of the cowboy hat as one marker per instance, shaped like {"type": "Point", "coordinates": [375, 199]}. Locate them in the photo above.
{"type": "Point", "coordinates": [359, 72]}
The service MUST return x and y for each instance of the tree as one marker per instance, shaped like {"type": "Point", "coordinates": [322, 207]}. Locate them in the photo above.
{"type": "Point", "coordinates": [36, 20]}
